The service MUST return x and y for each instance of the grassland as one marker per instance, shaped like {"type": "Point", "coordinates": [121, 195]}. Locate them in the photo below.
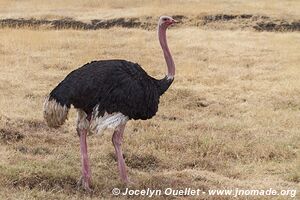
{"type": "Point", "coordinates": [90, 9]}
{"type": "Point", "coordinates": [230, 119]}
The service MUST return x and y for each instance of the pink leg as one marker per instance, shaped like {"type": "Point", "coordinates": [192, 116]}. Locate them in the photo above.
{"type": "Point", "coordinates": [86, 172]}
{"type": "Point", "coordinates": [117, 141]}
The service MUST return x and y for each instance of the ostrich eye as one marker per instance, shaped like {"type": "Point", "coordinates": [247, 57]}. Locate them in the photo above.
{"type": "Point", "coordinates": [165, 19]}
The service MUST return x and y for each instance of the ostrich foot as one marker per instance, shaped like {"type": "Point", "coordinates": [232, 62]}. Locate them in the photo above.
{"type": "Point", "coordinates": [84, 185]}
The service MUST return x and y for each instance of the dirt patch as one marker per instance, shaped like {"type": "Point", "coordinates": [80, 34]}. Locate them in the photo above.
{"type": "Point", "coordinates": [141, 162]}
{"type": "Point", "coordinates": [197, 104]}
{"type": "Point", "coordinates": [9, 136]}
{"type": "Point", "coordinates": [280, 26]}
{"type": "Point", "coordinates": [20, 23]}
{"type": "Point", "coordinates": [69, 23]}
{"type": "Point", "coordinates": [35, 151]}
{"type": "Point", "coordinates": [121, 22]}
{"type": "Point", "coordinates": [218, 22]}
{"type": "Point", "coordinates": [23, 125]}
{"type": "Point", "coordinates": [47, 183]}
{"type": "Point", "coordinates": [248, 21]}
{"type": "Point", "coordinates": [224, 17]}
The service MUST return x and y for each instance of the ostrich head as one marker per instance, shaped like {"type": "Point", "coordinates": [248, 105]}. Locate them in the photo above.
{"type": "Point", "coordinates": [166, 21]}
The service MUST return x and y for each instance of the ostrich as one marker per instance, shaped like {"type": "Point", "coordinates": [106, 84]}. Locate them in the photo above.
{"type": "Point", "coordinates": [106, 94]}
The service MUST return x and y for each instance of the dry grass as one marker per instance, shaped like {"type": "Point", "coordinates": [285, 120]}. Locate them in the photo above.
{"type": "Point", "coordinates": [91, 9]}
{"type": "Point", "coordinates": [231, 118]}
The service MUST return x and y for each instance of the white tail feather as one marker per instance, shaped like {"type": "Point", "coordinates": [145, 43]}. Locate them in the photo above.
{"type": "Point", "coordinates": [54, 113]}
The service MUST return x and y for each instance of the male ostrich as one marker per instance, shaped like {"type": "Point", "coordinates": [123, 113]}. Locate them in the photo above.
{"type": "Point", "coordinates": [107, 94]}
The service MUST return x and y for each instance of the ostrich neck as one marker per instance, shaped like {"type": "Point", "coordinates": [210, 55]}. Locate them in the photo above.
{"type": "Point", "coordinates": [167, 54]}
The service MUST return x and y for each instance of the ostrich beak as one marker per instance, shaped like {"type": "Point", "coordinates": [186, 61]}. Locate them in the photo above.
{"type": "Point", "coordinates": [174, 21]}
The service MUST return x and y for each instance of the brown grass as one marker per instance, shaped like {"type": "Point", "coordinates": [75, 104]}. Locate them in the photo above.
{"type": "Point", "coordinates": [231, 118]}
{"type": "Point", "coordinates": [105, 9]}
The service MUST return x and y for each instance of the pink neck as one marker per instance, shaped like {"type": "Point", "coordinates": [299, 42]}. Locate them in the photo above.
{"type": "Point", "coordinates": [167, 54]}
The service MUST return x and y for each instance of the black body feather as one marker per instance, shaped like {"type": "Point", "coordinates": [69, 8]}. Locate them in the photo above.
{"type": "Point", "coordinates": [112, 86]}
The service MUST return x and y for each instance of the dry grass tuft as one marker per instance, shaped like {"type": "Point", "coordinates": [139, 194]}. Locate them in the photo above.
{"type": "Point", "coordinates": [8, 136]}
{"type": "Point", "coordinates": [47, 183]}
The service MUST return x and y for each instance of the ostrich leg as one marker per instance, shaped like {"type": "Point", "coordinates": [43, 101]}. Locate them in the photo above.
{"type": "Point", "coordinates": [117, 139]}
{"type": "Point", "coordinates": [82, 130]}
